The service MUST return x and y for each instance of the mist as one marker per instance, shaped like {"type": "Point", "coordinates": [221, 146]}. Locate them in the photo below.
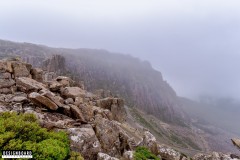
{"type": "Point", "coordinates": [193, 43]}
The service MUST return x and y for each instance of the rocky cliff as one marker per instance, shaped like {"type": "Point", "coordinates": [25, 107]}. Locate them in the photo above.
{"type": "Point", "coordinates": [130, 78]}
{"type": "Point", "coordinates": [96, 126]}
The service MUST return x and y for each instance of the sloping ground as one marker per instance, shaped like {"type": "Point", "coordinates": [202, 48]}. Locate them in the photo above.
{"type": "Point", "coordinates": [96, 125]}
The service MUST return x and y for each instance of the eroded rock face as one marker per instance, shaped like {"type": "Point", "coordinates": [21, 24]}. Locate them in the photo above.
{"type": "Point", "coordinates": [84, 140]}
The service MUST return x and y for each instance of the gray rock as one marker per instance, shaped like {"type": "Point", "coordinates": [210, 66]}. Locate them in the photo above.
{"type": "Point", "coordinates": [128, 155]}
{"type": "Point", "coordinates": [72, 92]}
{"type": "Point", "coordinates": [69, 101]}
{"type": "Point", "coordinates": [37, 74]}
{"type": "Point", "coordinates": [84, 140]}
{"type": "Point", "coordinates": [25, 84]}
{"type": "Point", "coordinates": [103, 156]}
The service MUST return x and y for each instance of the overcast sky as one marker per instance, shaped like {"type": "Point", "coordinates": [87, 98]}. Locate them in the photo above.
{"type": "Point", "coordinates": [194, 43]}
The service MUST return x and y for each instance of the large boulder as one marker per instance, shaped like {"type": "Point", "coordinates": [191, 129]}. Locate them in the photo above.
{"type": "Point", "coordinates": [115, 105]}
{"type": "Point", "coordinates": [76, 113]}
{"type": "Point", "coordinates": [21, 69]}
{"type": "Point", "coordinates": [112, 138]}
{"type": "Point", "coordinates": [150, 142]}
{"type": "Point", "coordinates": [72, 92]}
{"type": "Point", "coordinates": [84, 140]}
{"type": "Point", "coordinates": [25, 84]}
{"type": "Point", "coordinates": [42, 101]}
{"type": "Point", "coordinates": [56, 99]}
{"type": "Point", "coordinates": [87, 111]}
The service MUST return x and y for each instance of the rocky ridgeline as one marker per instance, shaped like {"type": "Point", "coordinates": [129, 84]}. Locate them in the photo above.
{"type": "Point", "coordinates": [93, 122]}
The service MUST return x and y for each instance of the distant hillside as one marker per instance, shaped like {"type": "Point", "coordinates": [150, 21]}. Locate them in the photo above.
{"type": "Point", "coordinates": [128, 77]}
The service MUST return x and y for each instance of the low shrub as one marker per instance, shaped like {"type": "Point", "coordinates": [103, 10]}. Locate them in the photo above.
{"type": "Point", "coordinates": [22, 132]}
{"type": "Point", "coordinates": [142, 153]}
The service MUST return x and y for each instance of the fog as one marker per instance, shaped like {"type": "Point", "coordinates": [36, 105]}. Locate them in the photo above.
{"type": "Point", "coordinates": [195, 44]}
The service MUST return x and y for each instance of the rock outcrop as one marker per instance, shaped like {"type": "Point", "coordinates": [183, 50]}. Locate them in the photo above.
{"type": "Point", "coordinates": [94, 123]}
{"type": "Point", "coordinates": [58, 104]}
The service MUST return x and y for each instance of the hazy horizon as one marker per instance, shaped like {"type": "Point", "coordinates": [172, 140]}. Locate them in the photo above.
{"type": "Point", "coordinates": [193, 43]}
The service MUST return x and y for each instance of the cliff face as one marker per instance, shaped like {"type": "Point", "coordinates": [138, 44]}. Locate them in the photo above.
{"type": "Point", "coordinates": [96, 126]}
{"type": "Point", "coordinates": [127, 77]}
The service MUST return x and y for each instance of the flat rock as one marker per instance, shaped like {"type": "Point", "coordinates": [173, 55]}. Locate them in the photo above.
{"type": "Point", "coordinates": [26, 84]}
{"type": "Point", "coordinates": [41, 100]}
{"type": "Point", "coordinates": [19, 99]}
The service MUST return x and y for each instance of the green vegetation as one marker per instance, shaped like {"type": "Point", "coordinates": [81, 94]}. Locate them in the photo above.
{"type": "Point", "coordinates": [22, 132]}
{"type": "Point", "coordinates": [142, 153]}
{"type": "Point", "coordinates": [144, 122]}
{"type": "Point", "coordinates": [75, 156]}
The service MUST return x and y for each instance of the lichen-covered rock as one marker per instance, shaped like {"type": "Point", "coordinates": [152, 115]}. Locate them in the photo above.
{"type": "Point", "coordinates": [84, 140]}
{"type": "Point", "coordinates": [150, 142]}
{"type": "Point", "coordinates": [168, 153]}
{"type": "Point", "coordinates": [42, 101]}
{"type": "Point", "coordinates": [213, 156]}
{"type": "Point", "coordinates": [103, 156]}
{"type": "Point", "coordinates": [25, 84]}
{"type": "Point", "coordinates": [87, 111]}
{"type": "Point", "coordinates": [112, 138]}
{"type": "Point", "coordinates": [128, 155]}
